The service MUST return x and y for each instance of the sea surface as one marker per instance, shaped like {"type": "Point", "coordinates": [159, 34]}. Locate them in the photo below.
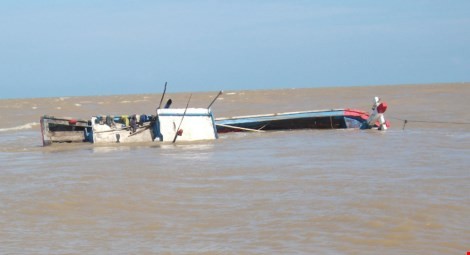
{"type": "Point", "coordinates": [402, 191]}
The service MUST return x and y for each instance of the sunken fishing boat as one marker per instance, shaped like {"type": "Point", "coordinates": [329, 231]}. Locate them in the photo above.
{"type": "Point", "coordinates": [189, 124]}
{"type": "Point", "coordinates": [167, 125]}
{"type": "Point", "coordinates": [195, 124]}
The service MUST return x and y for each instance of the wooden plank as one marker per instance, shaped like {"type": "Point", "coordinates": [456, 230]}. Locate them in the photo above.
{"type": "Point", "coordinates": [66, 136]}
{"type": "Point", "coordinates": [239, 128]}
{"type": "Point", "coordinates": [65, 122]}
{"type": "Point", "coordinates": [67, 133]}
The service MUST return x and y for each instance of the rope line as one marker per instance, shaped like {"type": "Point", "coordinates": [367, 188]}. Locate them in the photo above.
{"type": "Point", "coordinates": [430, 121]}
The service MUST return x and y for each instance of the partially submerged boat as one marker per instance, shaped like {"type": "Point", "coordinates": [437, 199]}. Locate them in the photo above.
{"type": "Point", "coordinates": [193, 124]}
{"type": "Point", "coordinates": [319, 119]}
{"type": "Point", "coordinates": [167, 125]}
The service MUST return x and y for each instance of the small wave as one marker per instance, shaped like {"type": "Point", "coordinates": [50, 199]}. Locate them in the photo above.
{"type": "Point", "coordinates": [22, 127]}
{"type": "Point", "coordinates": [134, 101]}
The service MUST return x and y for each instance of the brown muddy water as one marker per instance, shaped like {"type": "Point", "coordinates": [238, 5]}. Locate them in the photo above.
{"type": "Point", "coordinates": [300, 192]}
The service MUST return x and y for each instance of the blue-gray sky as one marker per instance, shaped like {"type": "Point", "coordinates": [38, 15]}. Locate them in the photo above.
{"type": "Point", "coordinates": [99, 47]}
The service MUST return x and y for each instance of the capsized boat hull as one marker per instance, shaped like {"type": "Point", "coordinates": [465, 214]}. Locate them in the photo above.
{"type": "Point", "coordinates": [321, 119]}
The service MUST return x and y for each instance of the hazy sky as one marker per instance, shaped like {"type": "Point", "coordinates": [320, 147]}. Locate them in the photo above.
{"type": "Point", "coordinates": [99, 47]}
